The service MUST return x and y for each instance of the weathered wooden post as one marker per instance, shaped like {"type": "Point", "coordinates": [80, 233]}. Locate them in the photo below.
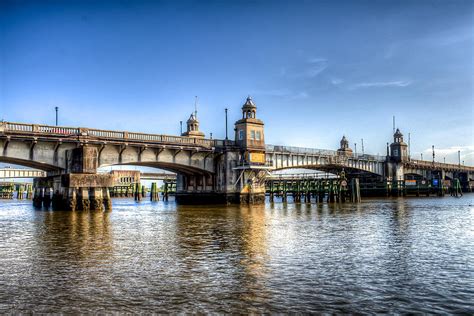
{"type": "Point", "coordinates": [107, 199]}
{"type": "Point", "coordinates": [355, 190]}
{"type": "Point", "coordinates": [167, 189]}
{"type": "Point", "coordinates": [138, 195]}
{"type": "Point", "coordinates": [19, 194]}
{"type": "Point", "coordinates": [271, 191]}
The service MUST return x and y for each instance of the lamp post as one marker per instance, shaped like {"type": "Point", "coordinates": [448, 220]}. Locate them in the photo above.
{"type": "Point", "coordinates": [56, 108]}
{"type": "Point", "coordinates": [432, 148]}
{"type": "Point", "coordinates": [459, 157]}
{"type": "Point", "coordinates": [409, 146]}
{"type": "Point", "coordinates": [421, 156]}
{"type": "Point", "coordinates": [355, 148]}
{"type": "Point", "coordinates": [226, 136]}
{"type": "Point", "coordinates": [181, 127]}
{"type": "Point", "coordinates": [362, 141]}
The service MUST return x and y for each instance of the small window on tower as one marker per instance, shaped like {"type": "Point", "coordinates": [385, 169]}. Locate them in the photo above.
{"type": "Point", "coordinates": [252, 134]}
{"type": "Point", "coordinates": [241, 134]}
{"type": "Point", "coordinates": [259, 135]}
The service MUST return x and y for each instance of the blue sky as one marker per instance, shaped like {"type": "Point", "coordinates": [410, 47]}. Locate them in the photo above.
{"type": "Point", "coordinates": [315, 69]}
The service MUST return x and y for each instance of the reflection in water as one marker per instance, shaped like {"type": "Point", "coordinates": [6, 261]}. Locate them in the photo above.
{"type": "Point", "coordinates": [394, 255]}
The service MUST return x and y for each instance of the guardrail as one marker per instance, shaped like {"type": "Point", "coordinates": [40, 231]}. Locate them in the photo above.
{"type": "Point", "coordinates": [320, 152]}
{"type": "Point", "coordinates": [23, 128]}
{"type": "Point", "coordinates": [294, 176]}
{"type": "Point", "coordinates": [440, 165]}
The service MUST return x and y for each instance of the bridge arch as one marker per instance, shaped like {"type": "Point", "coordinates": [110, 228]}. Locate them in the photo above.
{"type": "Point", "coordinates": [336, 169]}
{"type": "Point", "coordinates": [172, 167]}
{"type": "Point", "coordinates": [30, 164]}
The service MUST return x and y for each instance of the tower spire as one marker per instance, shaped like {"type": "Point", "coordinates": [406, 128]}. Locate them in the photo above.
{"type": "Point", "coordinates": [195, 106]}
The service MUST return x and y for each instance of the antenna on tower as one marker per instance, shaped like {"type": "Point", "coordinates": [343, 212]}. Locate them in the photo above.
{"type": "Point", "coordinates": [394, 124]}
{"type": "Point", "coordinates": [195, 106]}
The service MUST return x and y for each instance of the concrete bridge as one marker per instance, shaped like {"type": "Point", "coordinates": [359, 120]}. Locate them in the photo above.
{"type": "Point", "coordinates": [208, 170]}
{"type": "Point", "coordinates": [10, 173]}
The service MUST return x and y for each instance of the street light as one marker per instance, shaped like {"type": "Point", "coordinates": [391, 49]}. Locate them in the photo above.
{"type": "Point", "coordinates": [421, 156]}
{"type": "Point", "coordinates": [226, 136]}
{"type": "Point", "coordinates": [355, 148]}
{"type": "Point", "coordinates": [362, 140]}
{"type": "Point", "coordinates": [181, 127]}
{"type": "Point", "coordinates": [56, 108]}
{"type": "Point", "coordinates": [409, 146]}
{"type": "Point", "coordinates": [459, 157]}
{"type": "Point", "coordinates": [432, 148]}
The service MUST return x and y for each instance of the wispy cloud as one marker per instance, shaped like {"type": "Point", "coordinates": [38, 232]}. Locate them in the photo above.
{"type": "Point", "coordinates": [336, 81]}
{"type": "Point", "coordinates": [317, 66]}
{"type": "Point", "coordinates": [465, 150]}
{"type": "Point", "coordinates": [317, 60]}
{"type": "Point", "coordinates": [381, 84]}
{"type": "Point", "coordinates": [282, 93]}
{"type": "Point", "coordinates": [451, 154]}
{"type": "Point", "coordinates": [300, 95]}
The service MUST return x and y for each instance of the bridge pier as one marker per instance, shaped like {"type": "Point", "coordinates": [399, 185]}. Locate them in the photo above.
{"type": "Point", "coordinates": [73, 192]}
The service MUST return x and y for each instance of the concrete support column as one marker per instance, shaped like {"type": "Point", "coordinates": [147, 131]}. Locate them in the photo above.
{"type": "Point", "coordinates": [107, 199]}
{"type": "Point", "coordinates": [83, 200]}
{"type": "Point", "coordinates": [38, 197]}
{"type": "Point", "coordinates": [71, 199]}
{"type": "Point", "coordinates": [96, 199]}
{"type": "Point", "coordinates": [47, 198]}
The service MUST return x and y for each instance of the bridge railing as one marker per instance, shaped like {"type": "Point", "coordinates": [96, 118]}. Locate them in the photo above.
{"type": "Point", "coordinates": [437, 165]}
{"type": "Point", "coordinates": [321, 152]}
{"type": "Point", "coordinates": [108, 134]}
{"type": "Point", "coordinates": [300, 150]}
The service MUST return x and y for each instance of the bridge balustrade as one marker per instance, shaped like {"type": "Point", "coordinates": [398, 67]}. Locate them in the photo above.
{"type": "Point", "coordinates": [107, 134]}
{"type": "Point", "coordinates": [19, 127]}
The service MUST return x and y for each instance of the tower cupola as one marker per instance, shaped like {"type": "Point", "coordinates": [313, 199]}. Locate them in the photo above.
{"type": "Point", "coordinates": [398, 137]}
{"type": "Point", "coordinates": [344, 149]}
{"type": "Point", "coordinates": [249, 109]}
{"type": "Point", "coordinates": [193, 125]}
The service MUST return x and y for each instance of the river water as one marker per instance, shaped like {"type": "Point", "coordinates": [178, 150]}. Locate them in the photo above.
{"type": "Point", "coordinates": [392, 255]}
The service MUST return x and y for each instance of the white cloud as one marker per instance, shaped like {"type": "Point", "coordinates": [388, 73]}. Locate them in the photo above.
{"type": "Point", "coordinates": [300, 95]}
{"type": "Point", "coordinates": [315, 60]}
{"type": "Point", "coordinates": [282, 93]}
{"type": "Point", "coordinates": [451, 154]}
{"type": "Point", "coordinates": [399, 83]}
{"type": "Point", "coordinates": [465, 150]}
{"type": "Point", "coordinates": [336, 81]}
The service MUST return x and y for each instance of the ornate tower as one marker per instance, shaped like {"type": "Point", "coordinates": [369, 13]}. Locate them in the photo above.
{"type": "Point", "coordinates": [193, 127]}
{"type": "Point", "coordinates": [249, 134]}
{"type": "Point", "coordinates": [344, 150]}
{"type": "Point", "coordinates": [193, 124]}
{"type": "Point", "coordinates": [398, 149]}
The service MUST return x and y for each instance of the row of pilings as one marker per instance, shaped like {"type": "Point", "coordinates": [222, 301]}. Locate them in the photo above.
{"type": "Point", "coordinates": [420, 187]}
{"type": "Point", "coordinates": [20, 191]}
{"type": "Point", "coordinates": [140, 192]}
{"type": "Point", "coordinates": [73, 199]}
{"type": "Point", "coordinates": [320, 190]}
